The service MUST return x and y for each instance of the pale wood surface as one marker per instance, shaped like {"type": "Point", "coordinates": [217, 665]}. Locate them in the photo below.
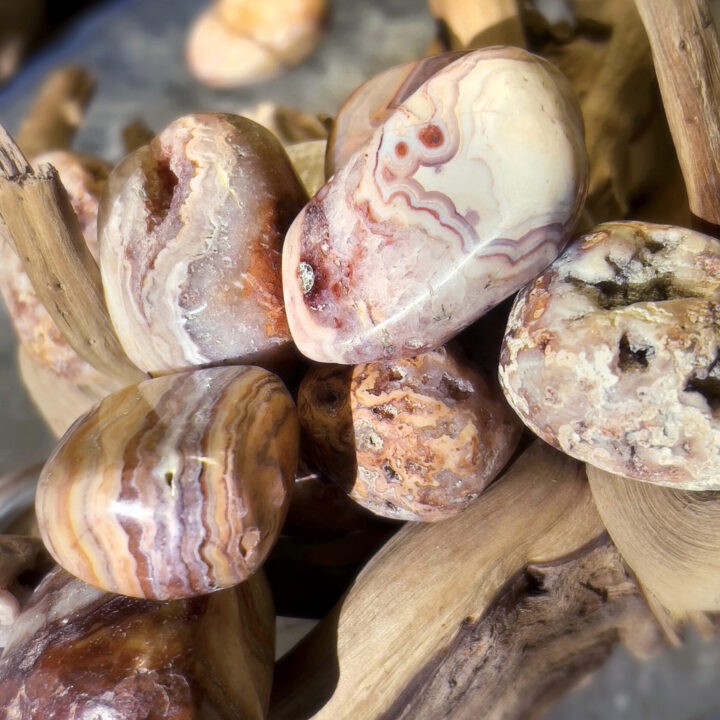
{"type": "Point", "coordinates": [429, 582]}
{"type": "Point", "coordinates": [57, 111]}
{"type": "Point", "coordinates": [40, 222]}
{"type": "Point", "coordinates": [473, 24]}
{"type": "Point", "coordinates": [670, 538]}
{"type": "Point", "coordinates": [686, 53]}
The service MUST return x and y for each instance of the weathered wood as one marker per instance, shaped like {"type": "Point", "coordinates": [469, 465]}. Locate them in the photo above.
{"type": "Point", "coordinates": [59, 400]}
{"type": "Point", "coordinates": [686, 53]}
{"type": "Point", "coordinates": [428, 584]}
{"type": "Point", "coordinates": [136, 134]}
{"type": "Point", "coordinates": [57, 111]}
{"type": "Point", "coordinates": [38, 219]}
{"type": "Point", "coordinates": [617, 104]}
{"type": "Point", "coordinates": [551, 626]}
{"type": "Point", "coordinates": [669, 537]}
{"type": "Point", "coordinates": [20, 26]}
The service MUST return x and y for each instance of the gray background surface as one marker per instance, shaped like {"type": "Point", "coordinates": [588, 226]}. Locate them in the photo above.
{"type": "Point", "coordinates": [135, 49]}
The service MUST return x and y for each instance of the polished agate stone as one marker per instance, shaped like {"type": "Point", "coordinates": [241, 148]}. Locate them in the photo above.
{"type": "Point", "coordinates": [611, 355]}
{"type": "Point", "coordinates": [77, 652]}
{"type": "Point", "coordinates": [83, 177]}
{"type": "Point", "coordinates": [174, 487]}
{"type": "Point", "coordinates": [19, 555]}
{"type": "Point", "coordinates": [463, 194]}
{"type": "Point", "coordinates": [412, 439]}
{"type": "Point", "coordinates": [191, 230]}
{"type": "Point", "coordinates": [369, 105]}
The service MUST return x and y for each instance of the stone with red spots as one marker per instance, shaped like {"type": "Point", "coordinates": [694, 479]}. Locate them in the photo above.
{"type": "Point", "coordinates": [465, 184]}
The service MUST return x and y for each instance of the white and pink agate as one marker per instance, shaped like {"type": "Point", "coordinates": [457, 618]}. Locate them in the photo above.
{"type": "Point", "coordinates": [612, 355]}
{"type": "Point", "coordinates": [191, 230]}
{"type": "Point", "coordinates": [464, 193]}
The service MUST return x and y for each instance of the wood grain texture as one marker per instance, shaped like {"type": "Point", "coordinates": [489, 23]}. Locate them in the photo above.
{"type": "Point", "coordinates": [550, 627]}
{"type": "Point", "coordinates": [60, 400]}
{"type": "Point", "coordinates": [39, 221]}
{"type": "Point", "coordinates": [686, 53]}
{"type": "Point", "coordinates": [471, 24]}
{"type": "Point", "coordinates": [83, 177]}
{"type": "Point", "coordinates": [669, 537]}
{"type": "Point", "coordinates": [430, 581]}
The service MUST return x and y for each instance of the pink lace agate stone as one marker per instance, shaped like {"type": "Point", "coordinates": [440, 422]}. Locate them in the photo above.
{"type": "Point", "coordinates": [466, 192]}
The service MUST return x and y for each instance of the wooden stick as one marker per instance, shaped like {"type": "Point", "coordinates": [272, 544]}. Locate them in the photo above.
{"type": "Point", "coordinates": [57, 112]}
{"type": "Point", "coordinates": [551, 626]}
{"type": "Point", "coordinates": [40, 222]}
{"type": "Point", "coordinates": [416, 606]}
{"type": "Point", "coordinates": [472, 24]}
{"type": "Point", "coordinates": [686, 53]}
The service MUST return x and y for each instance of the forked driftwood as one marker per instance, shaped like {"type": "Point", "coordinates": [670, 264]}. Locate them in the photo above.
{"type": "Point", "coordinates": [39, 221]}
{"type": "Point", "coordinates": [490, 614]}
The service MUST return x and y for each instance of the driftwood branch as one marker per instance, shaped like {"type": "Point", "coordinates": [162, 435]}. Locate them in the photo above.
{"type": "Point", "coordinates": [669, 538]}
{"type": "Point", "coordinates": [57, 111]}
{"type": "Point", "coordinates": [39, 221]}
{"type": "Point", "coordinates": [686, 53]}
{"type": "Point", "coordinates": [551, 626]}
{"type": "Point", "coordinates": [412, 636]}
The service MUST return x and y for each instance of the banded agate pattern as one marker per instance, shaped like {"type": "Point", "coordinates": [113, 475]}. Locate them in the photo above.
{"type": "Point", "coordinates": [467, 190]}
{"type": "Point", "coordinates": [191, 232]}
{"type": "Point", "coordinates": [174, 487]}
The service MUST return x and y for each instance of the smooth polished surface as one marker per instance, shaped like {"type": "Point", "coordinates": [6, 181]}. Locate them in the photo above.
{"type": "Point", "coordinates": [190, 231]}
{"type": "Point", "coordinates": [77, 652]}
{"type": "Point", "coordinates": [373, 102]}
{"type": "Point", "coordinates": [462, 195]}
{"type": "Point", "coordinates": [175, 487]}
{"type": "Point", "coordinates": [611, 355]}
{"type": "Point", "coordinates": [136, 49]}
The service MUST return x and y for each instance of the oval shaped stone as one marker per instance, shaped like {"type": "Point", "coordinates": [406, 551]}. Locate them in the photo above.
{"type": "Point", "coordinates": [77, 652]}
{"type": "Point", "coordinates": [463, 194]}
{"type": "Point", "coordinates": [174, 487]}
{"type": "Point", "coordinates": [612, 354]}
{"type": "Point", "coordinates": [191, 229]}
